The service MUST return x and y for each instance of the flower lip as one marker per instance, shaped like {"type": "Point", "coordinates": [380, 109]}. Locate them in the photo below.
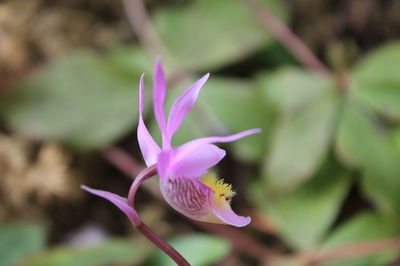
{"type": "Point", "coordinates": [220, 201]}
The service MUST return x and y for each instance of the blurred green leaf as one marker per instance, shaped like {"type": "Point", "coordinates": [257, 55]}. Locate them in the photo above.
{"type": "Point", "coordinates": [377, 81]}
{"type": "Point", "coordinates": [299, 146]}
{"type": "Point", "coordinates": [305, 215]}
{"type": "Point", "coordinates": [198, 249]}
{"type": "Point", "coordinates": [236, 106]}
{"type": "Point", "coordinates": [84, 100]}
{"type": "Point", "coordinates": [290, 89]}
{"type": "Point", "coordinates": [208, 34]}
{"type": "Point", "coordinates": [19, 240]}
{"type": "Point", "coordinates": [367, 226]}
{"type": "Point", "coordinates": [114, 252]}
{"type": "Point", "coordinates": [285, 262]}
{"type": "Point", "coordinates": [362, 143]}
{"type": "Point", "coordinates": [395, 137]}
{"type": "Point", "coordinates": [308, 107]}
{"type": "Point", "coordinates": [274, 56]}
{"type": "Point", "coordinates": [130, 61]}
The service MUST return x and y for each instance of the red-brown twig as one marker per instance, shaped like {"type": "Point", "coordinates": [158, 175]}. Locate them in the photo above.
{"type": "Point", "coordinates": [261, 223]}
{"type": "Point", "coordinates": [290, 40]}
{"type": "Point", "coordinates": [122, 161]}
{"type": "Point", "coordinates": [348, 251]}
{"type": "Point", "coordinates": [140, 23]}
{"type": "Point", "coordinates": [242, 242]}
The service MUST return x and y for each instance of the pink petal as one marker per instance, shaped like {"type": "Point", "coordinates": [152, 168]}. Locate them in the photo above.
{"type": "Point", "coordinates": [197, 162]}
{"type": "Point", "coordinates": [223, 211]}
{"type": "Point", "coordinates": [120, 202]}
{"type": "Point", "coordinates": [163, 163]}
{"type": "Point", "coordinates": [190, 146]}
{"type": "Point", "coordinates": [159, 91]}
{"type": "Point", "coordinates": [147, 144]}
{"type": "Point", "coordinates": [182, 106]}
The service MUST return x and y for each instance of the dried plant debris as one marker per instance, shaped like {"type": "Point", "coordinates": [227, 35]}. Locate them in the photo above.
{"type": "Point", "coordinates": [31, 177]}
{"type": "Point", "coordinates": [38, 30]}
{"type": "Point", "coordinates": [14, 18]}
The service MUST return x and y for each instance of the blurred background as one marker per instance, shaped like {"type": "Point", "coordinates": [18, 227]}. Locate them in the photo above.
{"type": "Point", "coordinates": [321, 183]}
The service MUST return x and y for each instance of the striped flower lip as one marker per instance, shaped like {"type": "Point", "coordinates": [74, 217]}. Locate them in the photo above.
{"type": "Point", "coordinates": [184, 179]}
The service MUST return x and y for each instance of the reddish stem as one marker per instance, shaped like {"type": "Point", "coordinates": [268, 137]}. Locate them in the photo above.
{"type": "Point", "coordinates": [153, 237]}
{"type": "Point", "coordinates": [141, 25]}
{"type": "Point", "coordinates": [127, 165]}
{"type": "Point", "coordinates": [141, 177]}
{"type": "Point", "coordinates": [164, 246]}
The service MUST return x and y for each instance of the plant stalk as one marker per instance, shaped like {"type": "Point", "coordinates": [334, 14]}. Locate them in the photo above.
{"type": "Point", "coordinates": [146, 231]}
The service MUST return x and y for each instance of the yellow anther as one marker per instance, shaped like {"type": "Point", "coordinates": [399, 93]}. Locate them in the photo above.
{"type": "Point", "coordinates": [219, 187]}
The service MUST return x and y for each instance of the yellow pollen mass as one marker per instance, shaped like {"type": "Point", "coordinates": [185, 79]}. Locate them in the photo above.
{"type": "Point", "coordinates": [220, 188]}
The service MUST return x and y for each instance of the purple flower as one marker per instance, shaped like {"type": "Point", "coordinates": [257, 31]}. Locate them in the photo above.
{"type": "Point", "coordinates": [184, 179]}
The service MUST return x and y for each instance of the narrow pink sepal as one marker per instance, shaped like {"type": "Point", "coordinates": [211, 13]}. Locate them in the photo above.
{"type": "Point", "coordinates": [147, 145]}
{"type": "Point", "coordinates": [159, 91]}
{"type": "Point", "coordinates": [183, 105]}
{"type": "Point", "coordinates": [198, 162]}
{"type": "Point", "coordinates": [120, 202]}
{"type": "Point", "coordinates": [190, 146]}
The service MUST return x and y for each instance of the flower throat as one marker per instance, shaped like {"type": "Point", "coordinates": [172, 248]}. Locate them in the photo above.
{"type": "Point", "coordinates": [220, 188]}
